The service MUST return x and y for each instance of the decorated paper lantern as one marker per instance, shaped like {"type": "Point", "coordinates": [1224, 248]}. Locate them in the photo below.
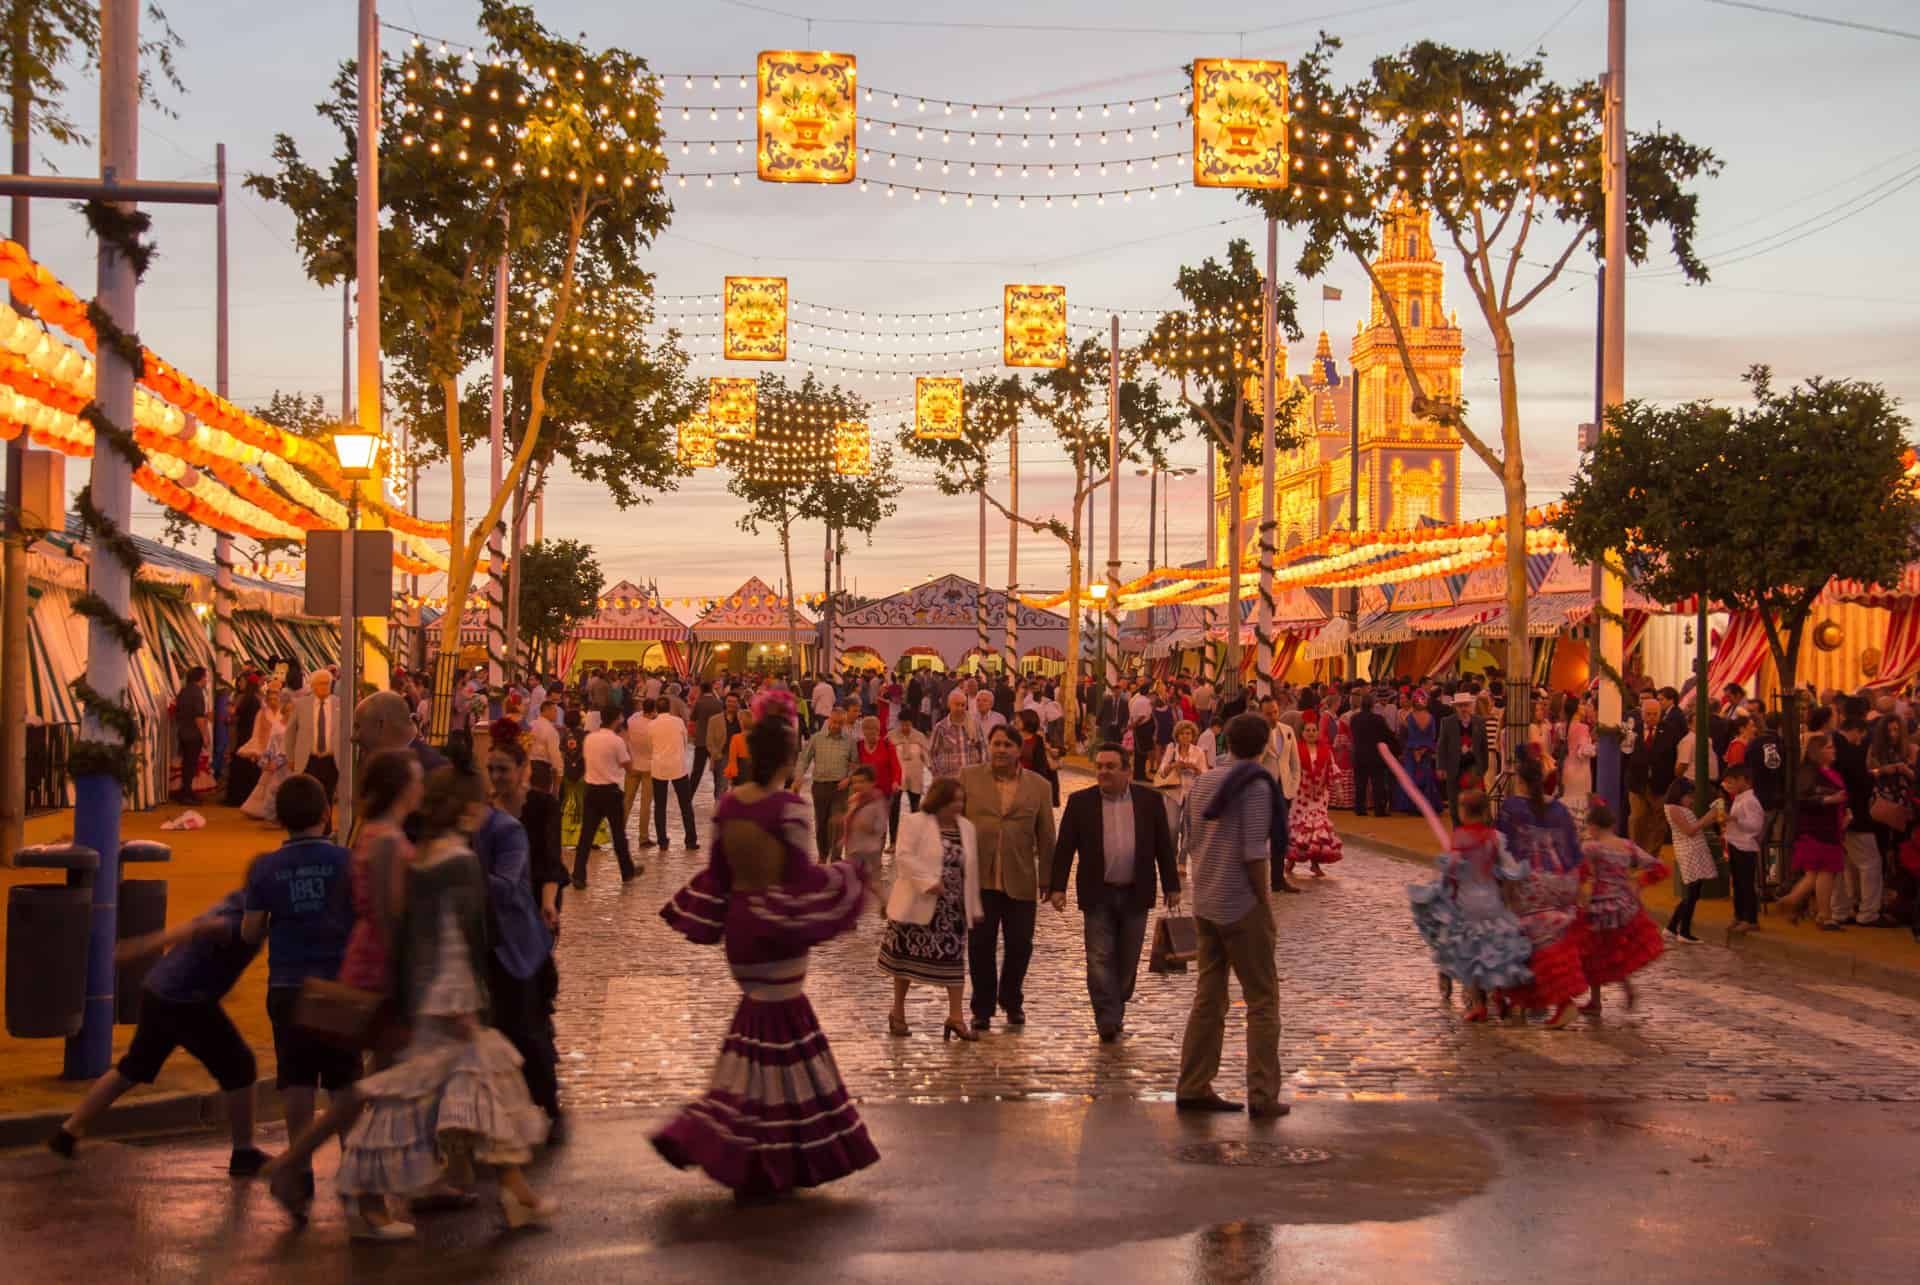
{"type": "Point", "coordinates": [852, 449]}
{"type": "Point", "coordinates": [806, 117]}
{"type": "Point", "coordinates": [756, 319]}
{"type": "Point", "coordinates": [732, 406]}
{"type": "Point", "coordinates": [937, 405]}
{"type": "Point", "coordinates": [1034, 321]}
{"type": "Point", "coordinates": [698, 447]}
{"type": "Point", "coordinates": [1239, 123]}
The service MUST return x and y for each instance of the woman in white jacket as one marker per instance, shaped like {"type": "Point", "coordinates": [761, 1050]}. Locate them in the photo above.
{"type": "Point", "coordinates": [934, 900]}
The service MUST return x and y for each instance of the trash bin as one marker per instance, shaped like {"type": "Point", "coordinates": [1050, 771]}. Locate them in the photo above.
{"type": "Point", "coordinates": [47, 943]}
{"type": "Point", "coordinates": [143, 910]}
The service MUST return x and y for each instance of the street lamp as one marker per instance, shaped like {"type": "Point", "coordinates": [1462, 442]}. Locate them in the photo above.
{"type": "Point", "coordinates": [357, 452]}
{"type": "Point", "coordinates": [1098, 592]}
{"type": "Point", "coordinates": [1161, 518]}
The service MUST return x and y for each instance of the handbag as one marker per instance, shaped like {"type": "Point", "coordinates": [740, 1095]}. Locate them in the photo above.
{"type": "Point", "coordinates": [1176, 941]}
{"type": "Point", "coordinates": [1890, 812]}
{"type": "Point", "coordinates": [343, 1016]}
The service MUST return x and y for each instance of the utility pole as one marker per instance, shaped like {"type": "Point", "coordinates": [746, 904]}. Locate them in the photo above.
{"type": "Point", "coordinates": [223, 637]}
{"type": "Point", "coordinates": [1112, 601]}
{"type": "Point", "coordinates": [982, 651]}
{"type": "Point", "coordinates": [1263, 617]}
{"type": "Point", "coordinates": [13, 566]}
{"type": "Point", "coordinates": [1153, 518]}
{"type": "Point", "coordinates": [1012, 663]}
{"type": "Point", "coordinates": [368, 412]}
{"type": "Point", "coordinates": [496, 469]}
{"type": "Point", "coordinates": [1610, 588]}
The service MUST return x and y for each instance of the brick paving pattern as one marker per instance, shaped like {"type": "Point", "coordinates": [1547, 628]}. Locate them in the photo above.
{"type": "Point", "coordinates": [642, 1012]}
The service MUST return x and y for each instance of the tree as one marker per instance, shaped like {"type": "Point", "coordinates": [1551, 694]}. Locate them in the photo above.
{"type": "Point", "coordinates": [559, 583]}
{"type": "Point", "coordinates": [1071, 402]}
{"type": "Point", "coordinates": [1758, 507]}
{"type": "Point", "coordinates": [543, 148]}
{"type": "Point", "coordinates": [1214, 348]}
{"type": "Point", "coordinates": [785, 475]}
{"type": "Point", "coordinates": [1502, 158]}
{"type": "Point", "coordinates": [44, 38]}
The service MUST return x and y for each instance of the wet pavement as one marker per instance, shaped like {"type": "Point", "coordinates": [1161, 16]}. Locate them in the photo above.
{"type": "Point", "coordinates": [1744, 1124]}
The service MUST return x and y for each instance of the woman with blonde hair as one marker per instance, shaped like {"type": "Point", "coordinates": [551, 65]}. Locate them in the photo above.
{"type": "Point", "coordinates": [935, 899]}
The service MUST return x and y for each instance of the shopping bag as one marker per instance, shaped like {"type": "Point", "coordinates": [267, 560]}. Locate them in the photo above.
{"type": "Point", "coordinates": [1176, 940]}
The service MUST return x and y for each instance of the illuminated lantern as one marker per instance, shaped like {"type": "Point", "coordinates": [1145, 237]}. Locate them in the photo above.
{"type": "Point", "coordinates": [937, 402]}
{"type": "Point", "coordinates": [756, 319]}
{"type": "Point", "coordinates": [806, 117]}
{"type": "Point", "coordinates": [732, 405]}
{"type": "Point", "coordinates": [1034, 320]}
{"type": "Point", "coordinates": [1239, 123]}
{"type": "Point", "coordinates": [697, 447]}
{"type": "Point", "coordinates": [852, 449]}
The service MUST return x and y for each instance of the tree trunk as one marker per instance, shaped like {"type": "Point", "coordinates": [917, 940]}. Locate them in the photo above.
{"type": "Point", "coordinates": [460, 567]}
{"type": "Point", "coordinates": [793, 619]}
{"type": "Point", "coordinates": [515, 543]}
{"type": "Point", "coordinates": [1513, 479]}
{"type": "Point", "coordinates": [1235, 462]}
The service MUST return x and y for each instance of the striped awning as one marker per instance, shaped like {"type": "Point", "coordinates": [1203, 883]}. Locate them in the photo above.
{"type": "Point", "coordinates": [1906, 588]}
{"type": "Point", "coordinates": [1384, 628]}
{"type": "Point", "coordinates": [1547, 615]}
{"type": "Point", "coordinates": [1457, 616]}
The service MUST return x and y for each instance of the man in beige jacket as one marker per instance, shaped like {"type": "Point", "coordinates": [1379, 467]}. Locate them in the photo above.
{"type": "Point", "coordinates": [1012, 814]}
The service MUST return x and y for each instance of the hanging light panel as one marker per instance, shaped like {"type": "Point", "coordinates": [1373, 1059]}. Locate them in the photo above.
{"type": "Point", "coordinates": [755, 319]}
{"type": "Point", "coordinates": [806, 117]}
{"type": "Point", "coordinates": [1034, 326]}
{"type": "Point", "coordinates": [733, 406]}
{"type": "Point", "coordinates": [1239, 123]}
{"type": "Point", "coordinates": [937, 401]}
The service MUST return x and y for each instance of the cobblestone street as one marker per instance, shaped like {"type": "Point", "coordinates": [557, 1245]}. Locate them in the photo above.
{"type": "Point", "coordinates": [642, 1012]}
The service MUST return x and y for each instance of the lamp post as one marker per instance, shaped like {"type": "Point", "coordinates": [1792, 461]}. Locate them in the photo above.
{"type": "Point", "coordinates": [357, 452]}
{"type": "Point", "coordinates": [1098, 592]}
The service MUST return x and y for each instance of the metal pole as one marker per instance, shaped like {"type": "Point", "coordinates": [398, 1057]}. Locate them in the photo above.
{"type": "Point", "coordinates": [13, 563]}
{"type": "Point", "coordinates": [1112, 603]}
{"type": "Point", "coordinates": [97, 796]}
{"type": "Point", "coordinates": [1012, 664]}
{"type": "Point", "coordinates": [1613, 384]}
{"type": "Point", "coordinates": [1153, 518]}
{"type": "Point", "coordinates": [832, 665]}
{"type": "Point", "coordinates": [1353, 509]}
{"type": "Point", "coordinates": [980, 591]}
{"type": "Point", "coordinates": [496, 468]}
{"type": "Point", "coordinates": [369, 411]}
{"type": "Point", "coordinates": [1263, 616]}
{"type": "Point", "coordinates": [349, 682]}
{"type": "Point", "coordinates": [346, 352]}
{"type": "Point", "coordinates": [223, 636]}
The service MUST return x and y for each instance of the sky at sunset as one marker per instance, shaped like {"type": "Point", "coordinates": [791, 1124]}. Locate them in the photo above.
{"type": "Point", "coordinates": [1809, 230]}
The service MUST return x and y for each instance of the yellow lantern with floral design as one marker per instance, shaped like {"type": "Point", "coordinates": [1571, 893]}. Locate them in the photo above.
{"type": "Point", "coordinates": [937, 407]}
{"type": "Point", "coordinates": [733, 408]}
{"type": "Point", "coordinates": [806, 114]}
{"type": "Point", "coordinates": [1034, 326]}
{"type": "Point", "coordinates": [852, 449]}
{"type": "Point", "coordinates": [755, 314]}
{"type": "Point", "coordinates": [698, 448]}
{"type": "Point", "coordinates": [1239, 123]}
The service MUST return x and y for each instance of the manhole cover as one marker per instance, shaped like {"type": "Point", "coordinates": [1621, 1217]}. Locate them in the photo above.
{"type": "Point", "coordinates": [1261, 1155]}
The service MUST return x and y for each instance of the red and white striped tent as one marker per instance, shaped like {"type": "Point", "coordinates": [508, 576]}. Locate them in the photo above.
{"type": "Point", "coordinates": [633, 620]}
{"type": "Point", "coordinates": [747, 629]}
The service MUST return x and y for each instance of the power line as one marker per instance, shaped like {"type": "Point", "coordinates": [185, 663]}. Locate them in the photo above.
{"type": "Point", "coordinates": [1822, 19]}
{"type": "Point", "coordinates": [948, 25]}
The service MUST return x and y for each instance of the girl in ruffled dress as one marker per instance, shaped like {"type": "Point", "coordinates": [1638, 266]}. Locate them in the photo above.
{"type": "Point", "coordinates": [456, 1097]}
{"type": "Point", "coordinates": [267, 749]}
{"type": "Point", "coordinates": [1310, 834]}
{"type": "Point", "coordinates": [1621, 938]}
{"type": "Point", "coordinates": [1541, 835]}
{"type": "Point", "coordinates": [777, 1115]}
{"type": "Point", "coordinates": [1472, 934]}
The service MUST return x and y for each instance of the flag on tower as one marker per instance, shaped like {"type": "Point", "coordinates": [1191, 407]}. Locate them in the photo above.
{"type": "Point", "coordinates": [1329, 294]}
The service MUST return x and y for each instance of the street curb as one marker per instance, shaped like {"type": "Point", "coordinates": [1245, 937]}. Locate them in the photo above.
{"type": "Point", "coordinates": [161, 1113]}
{"type": "Point", "coordinates": [1844, 968]}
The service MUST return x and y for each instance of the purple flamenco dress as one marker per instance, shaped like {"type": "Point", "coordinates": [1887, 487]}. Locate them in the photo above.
{"type": "Point", "coordinates": [777, 1116]}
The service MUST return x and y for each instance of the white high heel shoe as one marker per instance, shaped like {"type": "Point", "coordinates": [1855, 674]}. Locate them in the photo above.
{"type": "Point", "coordinates": [522, 1215]}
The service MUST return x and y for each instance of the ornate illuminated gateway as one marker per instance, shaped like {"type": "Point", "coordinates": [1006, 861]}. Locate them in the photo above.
{"type": "Point", "coordinates": [1409, 468]}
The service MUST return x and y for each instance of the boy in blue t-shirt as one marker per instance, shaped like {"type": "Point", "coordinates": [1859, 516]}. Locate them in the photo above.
{"type": "Point", "coordinates": [180, 1008]}
{"type": "Point", "coordinates": [298, 898]}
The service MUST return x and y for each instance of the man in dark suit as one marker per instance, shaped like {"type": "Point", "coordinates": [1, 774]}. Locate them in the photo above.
{"type": "Point", "coordinates": [1370, 773]}
{"type": "Point", "coordinates": [1461, 725]}
{"type": "Point", "coordinates": [1119, 830]}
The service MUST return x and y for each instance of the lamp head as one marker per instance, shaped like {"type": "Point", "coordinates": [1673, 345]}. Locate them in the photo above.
{"type": "Point", "coordinates": [357, 451]}
{"type": "Point", "coordinates": [1097, 591]}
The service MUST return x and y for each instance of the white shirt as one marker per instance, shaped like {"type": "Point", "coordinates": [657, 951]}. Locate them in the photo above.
{"type": "Point", "coordinates": [1745, 821]}
{"type": "Point", "coordinates": [546, 745]}
{"type": "Point", "coordinates": [606, 756]}
{"type": "Point", "coordinates": [823, 698]}
{"type": "Point", "coordinates": [669, 737]}
{"type": "Point", "coordinates": [653, 689]}
{"type": "Point", "coordinates": [640, 742]}
{"type": "Point", "coordinates": [1140, 708]}
{"type": "Point", "coordinates": [988, 721]}
{"type": "Point", "coordinates": [537, 698]}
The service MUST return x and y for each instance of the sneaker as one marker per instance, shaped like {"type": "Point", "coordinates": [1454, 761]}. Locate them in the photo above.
{"type": "Point", "coordinates": [62, 1143]}
{"type": "Point", "coordinates": [246, 1162]}
{"type": "Point", "coordinates": [1687, 938]}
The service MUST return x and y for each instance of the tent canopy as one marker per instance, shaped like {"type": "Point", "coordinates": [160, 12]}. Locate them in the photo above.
{"type": "Point", "coordinates": [753, 613]}
{"type": "Point", "coordinates": [629, 613]}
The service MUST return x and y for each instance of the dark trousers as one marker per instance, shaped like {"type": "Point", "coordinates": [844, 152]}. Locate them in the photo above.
{"type": "Point", "coordinates": [683, 792]}
{"type": "Point", "coordinates": [824, 795]}
{"type": "Point", "coordinates": [1005, 985]}
{"type": "Point", "coordinates": [700, 768]}
{"type": "Point", "coordinates": [1745, 868]}
{"type": "Point", "coordinates": [1681, 921]}
{"type": "Point", "coordinates": [191, 747]}
{"type": "Point", "coordinates": [520, 1011]}
{"type": "Point", "coordinates": [323, 769]}
{"type": "Point", "coordinates": [893, 812]}
{"type": "Point", "coordinates": [1370, 776]}
{"type": "Point", "coordinates": [602, 803]}
{"type": "Point", "coordinates": [1114, 932]}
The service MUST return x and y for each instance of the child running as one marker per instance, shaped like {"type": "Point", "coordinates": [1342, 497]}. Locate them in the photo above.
{"type": "Point", "coordinates": [1472, 934]}
{"type": "Point", "coordinates": [1621, 937]}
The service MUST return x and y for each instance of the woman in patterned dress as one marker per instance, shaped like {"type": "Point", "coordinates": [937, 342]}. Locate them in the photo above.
{"type": "Point", "coordinates": [1541, 836]}
{"type": "Point", "coordinates": [1340, 791]}
{"type": "Point", "coordinates": [1576, 774]}
{"type": "Point", "coordinates": [1462, 916]}
{"type": "Point", "coordinates": [934, 900]}
{"type": "Point", "coordinates": [1310, 834]}
{"type": "Point", "coordinates": [777, 1115]}
{"type": "Point", "coordinates": [1621, 937]}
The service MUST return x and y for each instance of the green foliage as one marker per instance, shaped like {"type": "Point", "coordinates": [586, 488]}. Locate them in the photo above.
{"type": "Point", "coordinates": [559, 582]}
{"type": "Point", "coordinates": [45, 39]}
{"type": "Point", "coordinates": [1757, 506]}
{"type": "Point", "coordinates": [988, 411]}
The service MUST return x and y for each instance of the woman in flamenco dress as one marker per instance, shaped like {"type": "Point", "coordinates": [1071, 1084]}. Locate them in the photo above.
{"type": "Point", "coordinates": [1310, 832]}
{"type": "Point", "coordinates": [1621, 938]}
{"type": "Point", "coordinates": [1541, 835]}
{"type": "Point", "coordinates": [1473, 936]}
{"type": "Point", "coordinates": [777, 1116]}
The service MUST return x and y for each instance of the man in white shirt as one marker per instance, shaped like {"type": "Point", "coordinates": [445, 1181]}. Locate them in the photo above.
{"type": "Point", "coordinates": [606, 756]}
{"type": "Point", "coordinates": [668, 768]}
{"type": "Point", "coordinates": [823, 700]}
{"type": "Point", "coordinates": [544, 732]}
{"type": "Point", "coordinates": [1282, 761]}
{"type": "Point", "coordinates": [639, 735]}
{"type": "Point", "coordinates": [984, 714]}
